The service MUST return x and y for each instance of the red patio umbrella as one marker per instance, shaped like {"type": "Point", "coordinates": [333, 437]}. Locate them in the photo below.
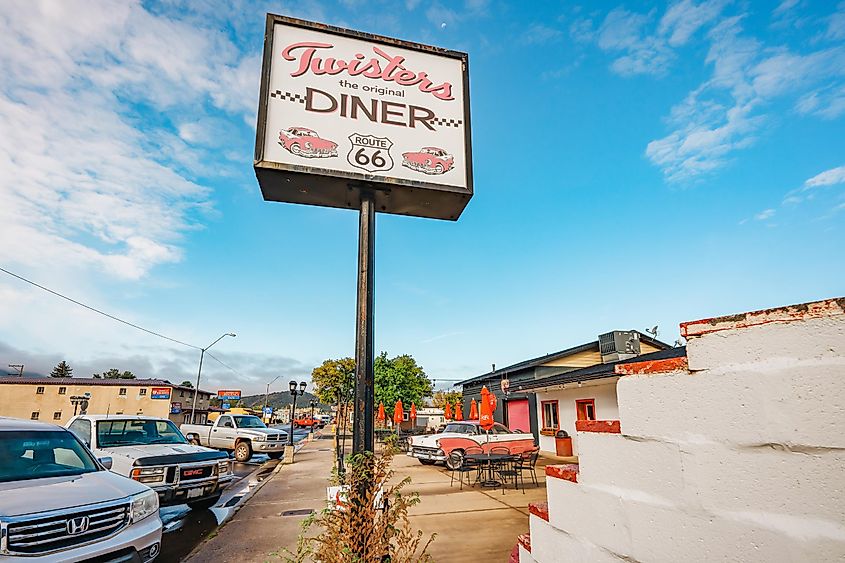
{"type": "Point", "coordinates": [381, 416]}
{"type": "Point", "coordinates": [398, 413]}
{"type": "Point", "coordinates": [473, 410]}
{"type": "Point", "coordinates": [413, 413]}
{"type": "Point", "coordinates": [493, 402]}
{"type": "Point", "coordinates": [459, 411]}
{"type": "Point", "coordinates": [447, 412]}
{"type": "Point", "coordinates": [485, 420]}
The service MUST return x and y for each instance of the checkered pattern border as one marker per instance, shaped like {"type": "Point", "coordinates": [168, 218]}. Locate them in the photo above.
{"type": "Point", "coordinates": [447, 122]}
{"type": "Point", "coordinates": [288, 96]}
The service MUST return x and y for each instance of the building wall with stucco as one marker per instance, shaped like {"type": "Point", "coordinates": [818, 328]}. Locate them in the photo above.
{"type": "Point", "coordinates": [735, 453]}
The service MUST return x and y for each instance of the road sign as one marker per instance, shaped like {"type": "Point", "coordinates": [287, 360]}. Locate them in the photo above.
{"type": "Point", "coordinates": [342, 111]}
{"type": "Point", "coordinates": [225, 406]}
{"type": "Point", "coordinates": [268, 410]}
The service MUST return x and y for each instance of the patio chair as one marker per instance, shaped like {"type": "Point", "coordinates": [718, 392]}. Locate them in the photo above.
{"type": "Point", "coordinates": [471, 450]}
{"type": "Point", "coordinates": [461, 468]}
{"type": "Point", "coordinates": [506, 470]}
{"type": "Point", "coordinates": [527, 462]}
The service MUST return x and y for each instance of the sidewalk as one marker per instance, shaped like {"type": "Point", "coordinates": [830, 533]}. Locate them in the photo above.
{"type": "Point", "coordinates": [259, 528]}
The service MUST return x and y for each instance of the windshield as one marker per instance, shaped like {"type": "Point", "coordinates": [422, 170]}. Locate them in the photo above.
{"type": "Point", "coordinates": [249, 422]}
{"type": "Point", "coordinates": [460, 428]}
{"type": "Point", "coordinates": [124, 432]}
{"type": "Point", "coordinates": [39, 454]}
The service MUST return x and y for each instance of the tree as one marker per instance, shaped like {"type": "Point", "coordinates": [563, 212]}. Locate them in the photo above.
{"type": "Point", "coordinates": [187, 383]}
{"type": "Point", "coordinates": [62, 370]}
{"type": "Point", "coordinates": [442, 397]}
{"type": "Point", "coordinates": [334, 381]}
{"type": "Point", "coordinates": [400, 378]}
{"type": "Point", "coordinates": [115, 373]}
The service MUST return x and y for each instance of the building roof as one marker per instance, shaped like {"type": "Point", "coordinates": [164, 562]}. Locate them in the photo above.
{"type": "Point", "coordinates": [67, 381]}
{"type": "Point", "coordinates": [597, 371]}
{"type": "Point", "coordinates": [540, 360]}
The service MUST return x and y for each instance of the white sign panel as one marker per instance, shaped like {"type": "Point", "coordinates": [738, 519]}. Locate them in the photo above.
{"type": "Point", "coordinates": [361, 108]}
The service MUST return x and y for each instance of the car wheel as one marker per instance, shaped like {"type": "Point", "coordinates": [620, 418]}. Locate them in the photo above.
{"type": "Point", "coordinates": [428, 461]}
{"type": "Point", "coordinates": [205, 503]}
{"type": "Point", "coordinates": [243, 451]}
{"type": "Point", "coordinates": [439, 169]}
{"type": "Point", "coordinates": [296, 149]}
{"type": "Point", "coordinates": [194, 440]}
{"type": "Point", "coordinates": [453, 464]}
{"type": "Point", "coordinates": [275, 455]}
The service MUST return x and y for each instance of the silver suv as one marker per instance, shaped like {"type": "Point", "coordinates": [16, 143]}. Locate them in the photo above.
{"type": "Point", "coordinates": [59, 503]}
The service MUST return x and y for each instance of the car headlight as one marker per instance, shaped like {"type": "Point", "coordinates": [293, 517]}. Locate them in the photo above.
{"type": "Point", "coordinates": [223, 467]}
{"type": "Point", "coordinates": [260, 438]}
{"type": "Point", "coordinates": [148, 474]}
{"type": "Point", "coordinates": [143, 505]}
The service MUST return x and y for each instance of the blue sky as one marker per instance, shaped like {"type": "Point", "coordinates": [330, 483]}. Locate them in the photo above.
{"type": "Point", "coordinates": [636, 164]}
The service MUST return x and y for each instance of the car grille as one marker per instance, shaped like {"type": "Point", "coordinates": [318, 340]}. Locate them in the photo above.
{"type": "Point", "coordinates": [273, 437]}
{"type": "Point", "coordinates": [424, 450]}
{"type": "Point", "coordinates": [189, 473]}
{"type": "Point", "coordinates": [41, 535]}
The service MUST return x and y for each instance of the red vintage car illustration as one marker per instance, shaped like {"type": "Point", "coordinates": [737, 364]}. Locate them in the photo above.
{"type": "Point", "coordinates": [305, 142]}
{"type": "Point", "coordinates": [430, 160]}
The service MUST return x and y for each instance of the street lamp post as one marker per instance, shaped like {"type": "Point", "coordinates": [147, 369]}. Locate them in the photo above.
{"type": "Point", "coordinates": [267, 396]}
{"type": "Point", "coordinates": [199, 373]}
{"type": "Point", "coordinates": [294, 393]}
{"type": "Point", "coordinates": [313, 404]}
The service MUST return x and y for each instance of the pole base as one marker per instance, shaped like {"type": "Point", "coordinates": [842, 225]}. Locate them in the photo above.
{"type": "Point", "coordinates": [288, 455]}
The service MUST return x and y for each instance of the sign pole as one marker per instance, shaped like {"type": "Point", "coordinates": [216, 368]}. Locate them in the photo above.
{"type": "Point", "coordinates": [363, 436]}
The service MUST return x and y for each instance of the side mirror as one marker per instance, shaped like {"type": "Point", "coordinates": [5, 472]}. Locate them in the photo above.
{"type": "Point", "coordinates": [105, 462]}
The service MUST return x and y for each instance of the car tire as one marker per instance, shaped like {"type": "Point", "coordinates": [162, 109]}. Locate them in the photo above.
{"type": "Point", "coordinates": [296, 149]}
{"type": "Point", "coordinates": [438, 169]}
{"type": "Point", "coordinates": [243, 451]}
{"type": "Point", "coordinates": [205, 503]}
{"type": "Point", "coordinates": [449, 464]}
{"type": "Point", "coordinates": [194, 440]}
{"type": "Point", "coordinates": [428, 461]}
{"type": "Point", "coordinates": [275, 455]}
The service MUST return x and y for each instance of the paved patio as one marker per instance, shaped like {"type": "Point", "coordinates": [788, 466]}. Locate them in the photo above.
{"type": "Point", "coordinates": [473, 524]}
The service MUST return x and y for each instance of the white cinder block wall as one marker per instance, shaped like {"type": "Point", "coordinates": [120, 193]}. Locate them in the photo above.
{"type": "Point", "coordinates": [740, 458]}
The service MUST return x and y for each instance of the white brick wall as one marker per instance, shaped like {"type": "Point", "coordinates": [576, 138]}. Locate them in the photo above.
{"type": "Point", "coordinates": [741, 459]}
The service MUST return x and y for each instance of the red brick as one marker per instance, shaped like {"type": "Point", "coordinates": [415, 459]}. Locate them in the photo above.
{"type": "Point", "coordinates": [525, 540]}
{"type": "Point", "coordinates": [540, 509]}
{"type": "Point", "coordinates": [568, 472]}
{"type": "Point", "coordinates": [608, 426]}
{"type": "Point", "coordinates": [654, 366]}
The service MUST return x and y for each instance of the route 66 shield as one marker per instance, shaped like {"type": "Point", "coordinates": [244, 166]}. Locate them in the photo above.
{"type": "Point", "coordinates": [370, 153]}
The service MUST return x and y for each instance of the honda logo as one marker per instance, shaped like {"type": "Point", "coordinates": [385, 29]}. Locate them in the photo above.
{"type": "Point", "coordinates": [76, 526]}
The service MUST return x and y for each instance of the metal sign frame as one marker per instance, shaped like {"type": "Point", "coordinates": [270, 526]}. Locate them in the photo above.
{"type": "Point", "coordinates": [332, 188]}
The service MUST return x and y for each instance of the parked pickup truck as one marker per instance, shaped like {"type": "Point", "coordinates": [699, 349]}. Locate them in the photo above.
{"type": "Point", "coordinates": [152, 451]}
{"type": "Point", "coordinates": [307, 422]}
{"type": "Point", "coordinates": [242, 433]}
{"type": "Point", "coordinates": [60, 504]}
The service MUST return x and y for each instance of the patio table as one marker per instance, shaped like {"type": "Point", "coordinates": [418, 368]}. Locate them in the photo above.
{"type": "Point", "coordinates": [489, 461]}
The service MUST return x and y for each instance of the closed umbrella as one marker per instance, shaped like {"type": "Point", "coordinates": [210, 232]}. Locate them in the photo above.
{"type": "Point", "coordinates": [493, 402]}
{"type": "Point", "coordinates": [459, 411]}
{"type": "Point", "coordinates": [398, 414]}
{"type": "Point", "coordinates": [381, 416]}
{"type": "Point", "coordinates": [485, 420]}
{"type": "Point", "coordinates": [413, 415]}
{"type": "Point", "coordinates": [447, 412]}
{"type": "Point", "coordinates": [473, 410]}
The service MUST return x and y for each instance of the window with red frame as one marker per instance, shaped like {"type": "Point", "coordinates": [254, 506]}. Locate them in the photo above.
{"type": "Point", "coordinates": [586, 409]}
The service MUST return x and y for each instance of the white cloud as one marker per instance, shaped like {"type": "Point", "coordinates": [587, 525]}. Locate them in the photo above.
{"type": "Point", "coordinates": [725, 113]}
{"type": "Point", "coordinates": [765, 214]}
{"type": "Point", "coordinates": [90, 181]}
{"type": "Point", "coordinates": [684, 18]}
{"type": "Point", "coordinates": [827, 178]}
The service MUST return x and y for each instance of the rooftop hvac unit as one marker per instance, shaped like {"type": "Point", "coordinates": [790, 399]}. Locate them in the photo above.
{"type": "Point", "coordinates": [619, 345]}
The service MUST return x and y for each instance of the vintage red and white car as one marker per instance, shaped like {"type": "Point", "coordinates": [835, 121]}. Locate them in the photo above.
{"type": "Point", "coordinates": [305, 142]}
{"type": "Point", "coordinates": [430, 160]}
{"type": "Point", "coordinates": [458, 436]}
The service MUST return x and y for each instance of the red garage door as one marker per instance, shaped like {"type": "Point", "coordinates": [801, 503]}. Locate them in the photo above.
{"type": "Point", "coordinates": [518, 415]}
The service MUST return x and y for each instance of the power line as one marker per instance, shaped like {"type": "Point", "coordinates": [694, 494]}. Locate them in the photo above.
{"type": "Point", "coordinates": [222, 363]}
{"type": "Point", "coordinates": [133, 325]}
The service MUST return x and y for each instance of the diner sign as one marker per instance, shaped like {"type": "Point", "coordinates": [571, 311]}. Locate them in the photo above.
{"type": "Point", "coordinates": [341, 111]}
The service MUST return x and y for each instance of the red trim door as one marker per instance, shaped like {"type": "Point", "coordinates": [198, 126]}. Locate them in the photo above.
{"type": "Point", "coordinates": [518, 415]}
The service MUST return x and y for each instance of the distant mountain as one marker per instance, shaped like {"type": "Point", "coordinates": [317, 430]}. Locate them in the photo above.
{"type": "Point", "coordinates": [4, 372]}
{"type": "Point", "coordinates": [282, 400]}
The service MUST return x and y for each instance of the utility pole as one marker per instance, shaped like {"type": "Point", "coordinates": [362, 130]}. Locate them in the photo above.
{"type": "Point", "coordinates": [199, 373]}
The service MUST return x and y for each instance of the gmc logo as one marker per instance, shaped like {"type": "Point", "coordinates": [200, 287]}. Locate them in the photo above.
{"type": "Point", "coordinates": [192, 472]}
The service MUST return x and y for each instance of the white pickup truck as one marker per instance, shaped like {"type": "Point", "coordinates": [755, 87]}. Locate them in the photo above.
{"type": "Point", "coordinates": [152, 451]}
{"type": "Point", "coordinates": [241, 433]}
